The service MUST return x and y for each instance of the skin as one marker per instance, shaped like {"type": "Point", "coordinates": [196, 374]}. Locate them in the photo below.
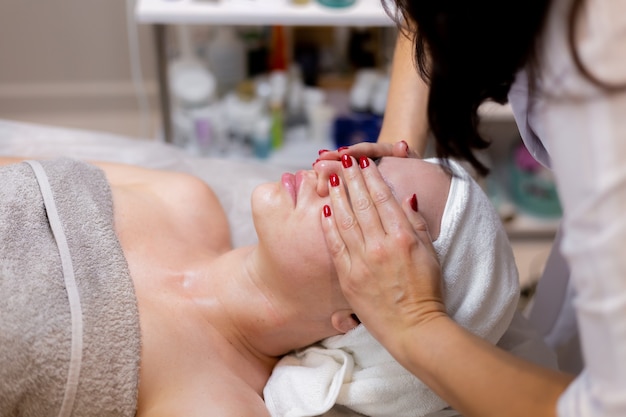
{"type": "Point", "coordinates": [216, 319]}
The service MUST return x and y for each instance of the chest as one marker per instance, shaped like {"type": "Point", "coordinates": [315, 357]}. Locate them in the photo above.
{"type": "Point", "coordinates": [188, 366]}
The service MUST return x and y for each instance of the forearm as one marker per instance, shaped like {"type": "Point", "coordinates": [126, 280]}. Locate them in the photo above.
{"type": "Point", "coordinates": [405, 115]}
{"type": "Point", "coordinates": [477, 378]}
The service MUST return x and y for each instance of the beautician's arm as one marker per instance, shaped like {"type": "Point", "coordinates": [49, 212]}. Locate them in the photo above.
{"type": "Point", "coordinates": [391, 277]}
{"type": "Point", "coordinates": [475, 377]}
{"type": "Point", "coordinates": [404, 132]}
{"type": "Point", "coordinates": [405, 114]}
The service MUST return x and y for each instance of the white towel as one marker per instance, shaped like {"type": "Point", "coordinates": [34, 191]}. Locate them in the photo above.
{"type": "Point", "coordinates": [481, 289]}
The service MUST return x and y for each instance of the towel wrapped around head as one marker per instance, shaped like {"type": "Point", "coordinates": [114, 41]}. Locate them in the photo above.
{"type": "Point", "coordinates": [481, 290]}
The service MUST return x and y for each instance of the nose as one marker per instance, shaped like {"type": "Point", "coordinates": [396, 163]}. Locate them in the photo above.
{"type": "Point", "coordinates": [323, 169]}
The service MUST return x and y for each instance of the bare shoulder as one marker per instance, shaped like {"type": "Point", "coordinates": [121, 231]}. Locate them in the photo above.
{"type": "Point", "coordinates": [182, 201]}
{"type": "Point", "coordinates": [170, 185]}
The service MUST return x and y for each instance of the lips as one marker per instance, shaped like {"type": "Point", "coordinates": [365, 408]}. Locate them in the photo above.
{"type": "Point", "coordinates": [289, 182]}
{"type": "Point", "coordinates": [292, 183]}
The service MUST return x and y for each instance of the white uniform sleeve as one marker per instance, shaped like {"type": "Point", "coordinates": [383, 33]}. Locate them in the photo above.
{"type": "Point", "coordinates": [585, 135]}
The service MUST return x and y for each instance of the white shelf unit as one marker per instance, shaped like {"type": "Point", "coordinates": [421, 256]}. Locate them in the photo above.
{"type": "Point", "coordinates": [263, 12]}
{"type": "Point", "coordinates": [260, 12]}
{"type": "Point", "coordinates": [160, 13]}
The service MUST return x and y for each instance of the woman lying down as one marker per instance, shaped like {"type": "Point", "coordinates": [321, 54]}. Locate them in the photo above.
{"type": "Point", "coordinates": [121, 295]}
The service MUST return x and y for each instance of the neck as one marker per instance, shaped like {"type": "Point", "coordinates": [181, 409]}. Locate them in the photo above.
{"type": "Point", "coordinates": [238, 300]}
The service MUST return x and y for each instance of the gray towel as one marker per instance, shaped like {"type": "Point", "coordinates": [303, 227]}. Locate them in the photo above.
{"type": "Point", "coordinates": [35, 326]}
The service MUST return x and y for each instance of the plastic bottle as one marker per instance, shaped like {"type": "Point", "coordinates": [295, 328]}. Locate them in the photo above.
{"type": "Point", "coordinates": [227, 59]}
{"type": "Point", "coordinates": [278, 90]}
{"type": "Point", "coordinates": [192, 86]}
{"type": "Point", "coordinates": [261, 137]}
{"type": "Point", "coordinates": [278, 57]}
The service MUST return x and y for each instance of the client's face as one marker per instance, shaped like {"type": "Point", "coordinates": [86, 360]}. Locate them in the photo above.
{"type": "Point", "coordinates": [287, 216]}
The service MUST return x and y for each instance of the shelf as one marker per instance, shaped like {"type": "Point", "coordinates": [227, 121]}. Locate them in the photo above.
{"type": "Point", "coordinates": [260, 12]}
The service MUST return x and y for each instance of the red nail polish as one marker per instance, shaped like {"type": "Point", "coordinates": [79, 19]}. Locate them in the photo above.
{"type": "Point", "coordinates": [364, 162]}
{"type": "Point", "coordinates": [316, 161]}
{"type": "Point", "coordinates": [334, 180]}
{"type": "Point", "coordinates": [321, 151]}
{"type": "Point", "coordinates": [346, 161]}
{"type": "Point", "coordinates": [343, 148]}
{"type": "Point", "coordinates": [326, 210]}
{"type": "Point", "coordinates": [414, 202]}
{"type": "Point", "coordinates": [406, 146]}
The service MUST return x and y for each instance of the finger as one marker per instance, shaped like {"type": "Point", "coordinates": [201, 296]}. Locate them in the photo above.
{"type": "Point", "coordinates": [347, 224]}
{"type": "Point", "coordinates": [388, 209]}
{"type": "Point", "coordinates": [362, 203]}
{"type": "Point", "coordinates": [327, 155]}
{"type": "Point", "coordinates": [330, 155]}
{"type": "Point", "coordinates": [336, 246]}
{"type": "Point", "coordinates": [370, 149]}
{"type": "Point", "coordinates": [410, 206]}
{"type": "Point", "coordinates": [401, 149]}
{"type": "Point", "coordinates": [324, 169]}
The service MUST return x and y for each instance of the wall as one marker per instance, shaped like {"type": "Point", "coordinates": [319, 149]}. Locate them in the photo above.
{"type": "Point", "coordinates": [60, 57]}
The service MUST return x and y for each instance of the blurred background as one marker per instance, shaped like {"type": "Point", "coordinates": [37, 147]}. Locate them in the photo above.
{"type": "Point", "coordinates": [205, 76]}
{"type": "Point", "coordinates": [68, 63]}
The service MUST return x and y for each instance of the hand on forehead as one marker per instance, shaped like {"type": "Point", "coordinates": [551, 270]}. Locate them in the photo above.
{"type": "Point", "coordinates": [324, 168]}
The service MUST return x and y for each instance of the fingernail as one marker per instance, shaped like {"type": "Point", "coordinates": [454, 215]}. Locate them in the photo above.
{"type": "Point", "coordinates": [364, 162]}
{"type": "Point", "coordinates": [343, 148]}
{"type": "Point", "coordinates": [406, 146]}
{"type": "Point", "coordinates": [414, 202]}
{"type": "Point", "coordinates": [334, 180]}
{"type": "Point", "coordinates": [316, 161]}
{"type": "Point", "coordinates": [346, 161]}
{"type": "Point", "coordinates": [326, 210]}
{"type": "Point", "coordinates": [321, 151]}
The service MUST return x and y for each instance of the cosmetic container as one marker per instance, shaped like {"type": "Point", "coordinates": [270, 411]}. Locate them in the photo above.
{"type": "Point", "coordinates": [336, 3]}
{"type": "Point", "coordinates": [261, 137]}
{"type": "Point", "coordinates": [227, 58]}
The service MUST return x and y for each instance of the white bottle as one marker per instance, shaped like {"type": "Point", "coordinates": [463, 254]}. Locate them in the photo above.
{"type": "Point", "coordinates": [227, 59]}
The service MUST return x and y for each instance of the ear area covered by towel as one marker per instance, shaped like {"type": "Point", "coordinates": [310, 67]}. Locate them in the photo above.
{"type": "Point", "coordinates": [481, 289]}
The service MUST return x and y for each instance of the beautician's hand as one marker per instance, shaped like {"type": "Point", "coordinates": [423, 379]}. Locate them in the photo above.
{"type": "Point", "coordinates": [399, 149]}
{"type": "Point", "coordinates": [387, 266]}
{"type": "Point", "coordinates": [328, 160]}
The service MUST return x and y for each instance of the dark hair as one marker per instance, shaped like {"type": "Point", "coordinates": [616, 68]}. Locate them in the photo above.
{"type": "Point", "coordinates": [469, 52]}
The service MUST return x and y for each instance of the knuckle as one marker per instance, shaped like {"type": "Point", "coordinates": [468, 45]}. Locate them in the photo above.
{"type": "Point", "coordinates": [347, 223]}
{"type": "Point", "coordinates": [336, 248]}
{"type": "Point", "coordinates": [377, 252]}
{"type": "Point", "coordinates": [420, 225]}
{"type": "Point", "coordinates": [381, 196]}
{"type": "Point", "coordinates": [404, 238]}
{"type": "Point", "coordinates": [362, 203]}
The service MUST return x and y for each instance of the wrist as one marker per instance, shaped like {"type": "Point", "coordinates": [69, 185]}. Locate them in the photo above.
{"type": "Point", "coordinates": [418, 345]}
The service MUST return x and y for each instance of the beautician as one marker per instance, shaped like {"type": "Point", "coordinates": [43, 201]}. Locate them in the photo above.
{"type": "Point", "coordinates": [562, 66]}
